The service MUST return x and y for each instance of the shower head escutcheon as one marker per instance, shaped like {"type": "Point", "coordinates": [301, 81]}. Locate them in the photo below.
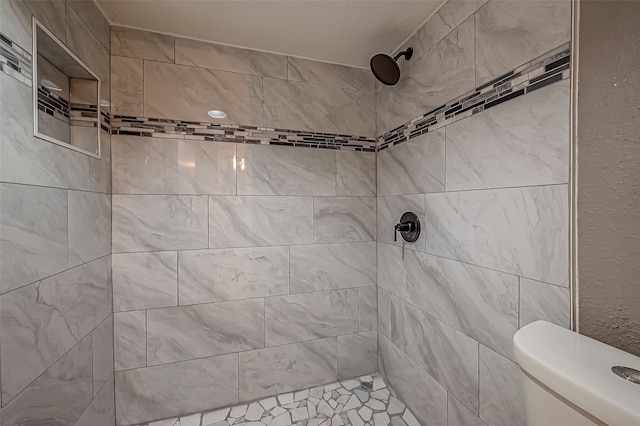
{"type": "Point", "coordinates": [386, 68]}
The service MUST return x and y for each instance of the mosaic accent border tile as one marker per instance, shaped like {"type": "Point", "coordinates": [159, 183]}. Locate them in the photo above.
{"type": "Point", "coordinates": [75, 114]}
{"type": "Point", "coordinates": [15, 61]}
{"type": "Point", "coordinates": [156, 127]}
{"type": "Point", "coordinates": [366, 401]}
{"type": "Point", "coordinates": [547, 69]}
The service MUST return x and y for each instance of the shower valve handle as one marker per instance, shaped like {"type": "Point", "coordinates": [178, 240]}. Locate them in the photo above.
{"type": "Point", "coordinates": [402, 227]}
{"type": "Point", "coordinates": [409, 227]}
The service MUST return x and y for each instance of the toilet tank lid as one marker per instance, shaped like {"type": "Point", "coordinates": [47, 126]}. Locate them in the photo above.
{"type": "Point", "coordinates": [578, 368]}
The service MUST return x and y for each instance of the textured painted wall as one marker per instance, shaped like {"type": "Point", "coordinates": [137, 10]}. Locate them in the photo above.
{"type": "Point", "coordinates": [609, 173]}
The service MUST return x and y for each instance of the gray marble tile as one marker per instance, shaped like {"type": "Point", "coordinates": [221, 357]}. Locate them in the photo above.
{"type": "Point", "coordinates": [366, 114]}
{"type": "Point", "coordinates": [159, 222]}
{"type": "Point", "coordinates": [413, 167]}
{"type": "Point", "coordinates": [384, 312]}
{"type": "Point", "coordinates": [102, 344]}
{"type": "Point", "coordinates": [344, 219]}
{"type": "Point", "coordinates": [357, 354]}
{"type": "Point", "coordinates": [94, 20]}
{"type": "Point", "coordinates": [327, 74]}
{"type": "Point", "coordinates": [392, 270]}
{"type": "Point", "coordinates": [188, 93]}
{"type": "Point", "coordinates": [301, 106]}
{"type": "Point", "coordinates": [426, 398]}
{"type": "Point", "coordinates": [356, 173]}
{"type": "Point", "coordinates": [260, 221]}
{"type": "Point", "coordinates": [142, 44]}
{"type": "Point", "coordinates": [519, 143]}
{"type": "Point", "coordinates": [510, 34]}
{"type": "Point", "coordinates": [87, 47]}
{"type": "Point", "coordinates": [163, 391]}
{"type": "Point", "coordinates": [270, 371]}
{"type": "Point", "coordinates": [100, 168]}
{"type": "Point", "coordinates": [279, 170]}
{"type": "Point", "coordinates": [465, 297]}
{"type": "Point", "coordinates": [459, 415]}
{"type": "Point", "coordinates": [33, 229]}
{"type": "Point", "coordinates": [126, 86]}
{"type": "Point", "coordinates": [447, 355]}
{"type": "Point", "coordinates": [16, 24]}
{"type": "Point", "coordinates": [102, 410]}
{"type": "Point", "coordinates": [441, 74]}
{"type": "Point", "coordinates": [145, 280]}
{"type": "Point", "coordinates": [308, 316]}
{"type": "Point", "coordinates": [390, 209]}
{"type": "Point", "coordinates": [382, 111]}
{"type": "Point", "coordinates": [228, 274]}
{"type": "Point", "coordinates": [206, 167]}
{"type": "Point", "coordinates": [541, 301]}
{"type": "Point", "coordinates": [228, 58]}
{"type": "Point", "coordinates": [130, 339]}
{"type": "Point", "coordinates": [198, 331]}
{"type": "Point", "coordinates": [368, 308]}
{"type": "Point", "coordinates": [57, 397]}
{"type": "Point", "coordinates": [89, 226]}
{"type": "Point", "coordinates": [501, 391]}
{"type": "Point", "coordinates": [332, 266]}
{"type": "Point", "coordinates": [42, 321]}
{"type": "Point", "coordinates": [523, 231]}
{"type": "Point", "coordinates": [25, 158]}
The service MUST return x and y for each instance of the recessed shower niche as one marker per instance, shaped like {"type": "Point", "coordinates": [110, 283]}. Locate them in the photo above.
{"type": "Point", "coordinates": [66, 95]}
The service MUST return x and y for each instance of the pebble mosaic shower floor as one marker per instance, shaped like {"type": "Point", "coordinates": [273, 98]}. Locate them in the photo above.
{"type": "Point", "coordinates": [366, 401]}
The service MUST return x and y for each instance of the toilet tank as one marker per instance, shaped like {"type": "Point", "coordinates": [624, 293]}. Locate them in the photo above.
{"type": "Point", "coordinates": [568, 379]}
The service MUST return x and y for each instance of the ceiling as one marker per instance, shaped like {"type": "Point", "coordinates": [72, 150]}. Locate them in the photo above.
{"type": "Point", "coordinates": [344, 31]}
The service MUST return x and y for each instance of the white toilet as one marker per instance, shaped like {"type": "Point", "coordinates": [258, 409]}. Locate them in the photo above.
{"type": "Point", "coordinates": [569, 379]}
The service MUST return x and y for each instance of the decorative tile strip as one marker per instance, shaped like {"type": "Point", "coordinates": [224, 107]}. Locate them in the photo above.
{"type": "Point", "coordinates": [15, 61]}
{"type": "Point", "coordinates": [545, 70]}
{"type": "Point", "coordinates": [179, 129]}
{"type": "Point", "coordinates": [75, 114]}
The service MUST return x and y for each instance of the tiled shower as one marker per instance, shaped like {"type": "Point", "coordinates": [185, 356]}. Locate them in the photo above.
{"type": "Point", "coordinates": [202, 264]}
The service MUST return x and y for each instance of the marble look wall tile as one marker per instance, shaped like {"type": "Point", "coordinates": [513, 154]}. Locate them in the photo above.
{"type": "Point", "coordinates": [357, 354]}
{"type": "Point", "coordinates": [260, 221]}
{"type": "Point", "coordinates": [100, 168]}
{"type": "Point", "coordinates": [501, 391]}
{"type": "Point", "coordinates": [142, 44]}
{"type": "Point", "coordinates": [308, 316]}
{"type": "Point", "coordinates": [89, 226]}
{"type": "Point", "coordinates": [102, 410]}
{"type": "Point", "coordinates": [42, 321]}
{"type": "Point", "coordinates": [206, 167]}
{"type": "Point", "coordinates": [356, 173]}
{"type": "Point", "coordinates": [413, 167]}
{"type": "Point", "coordinates": [441, 74]}
{"type": "Point", "coordinates": [228, 58]}
{"type": "Point", "coordinates": [302, 106]}
{"type": "Point", "coordinates": [368, 308]}
{"type": "Point", "coordinates": [447, 355]}
{"type": "Point", "coordinates": [366, 114]}
{"type": "Point", "coordinates": [198, 331]}
{"type": "Point", "coordinates": [279, 170]}
{"type": "Point", "coordinates": [16, 24]}
{"type": "Point", "coordinates": [33, 226]}
{"type": "Point", "coordinates": [216, 275]}
{"type": "Point", "coordinates": [130, 339]}
{"type": "Point", "coordinates": [59, 396]}
{"type": "Point", "coordinates": [449, 16]}
{"type": "Point", "coordinates": [384, 312]}
{"type": "Point", "coordinates": [519, 143]}
{"type": "Point", "coordinates": [510, 34]}
{"type": "Point", "coordinates": [426, 398]}
{"type": "Point", "coordinates": [392, 270]}
{"type": "Point", "coordinates": [270, 371]}
{"type": "Point", "coordinates": [382, 111]}
{"type": "Point", "coordinates": [126, 86]}
{"type": "Point", "coordinates": [390, 209]}
{"type": "Point", "coordinates": [159, 222]}
{"type": "Point", "coordinates": [332, 266]}
{"type": "Point", "coordinates": [344, 219]}
{"type": "Point", "coordinates": [327, 74]}
{"type": "Point", "coordinates": [95, 21]}
{"type": "Point", "coordinates": [523, 231]}
{"type": "Point", "coordinates": [187, 93]}
{"type": "Point", "coordinates": [88, 48]}
{"type": "Point", "coordinates": [163, 391]}
{"type": "Point", "coordinates": [102, 344]}
{"type": "Point", "coordinates": [465, 297]}
{"type": "Point", "coordinates": [459, 415]}
{"type": "Point", "coordinates": [25, 158]}
{"type": "Point", "coordinates": [145, 280]}
{"type": "Point", "coordinates": [540, 301]}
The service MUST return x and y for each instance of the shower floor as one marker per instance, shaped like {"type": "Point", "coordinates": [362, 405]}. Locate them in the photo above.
{"type": "Point", "coordinates": [366, 401]}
